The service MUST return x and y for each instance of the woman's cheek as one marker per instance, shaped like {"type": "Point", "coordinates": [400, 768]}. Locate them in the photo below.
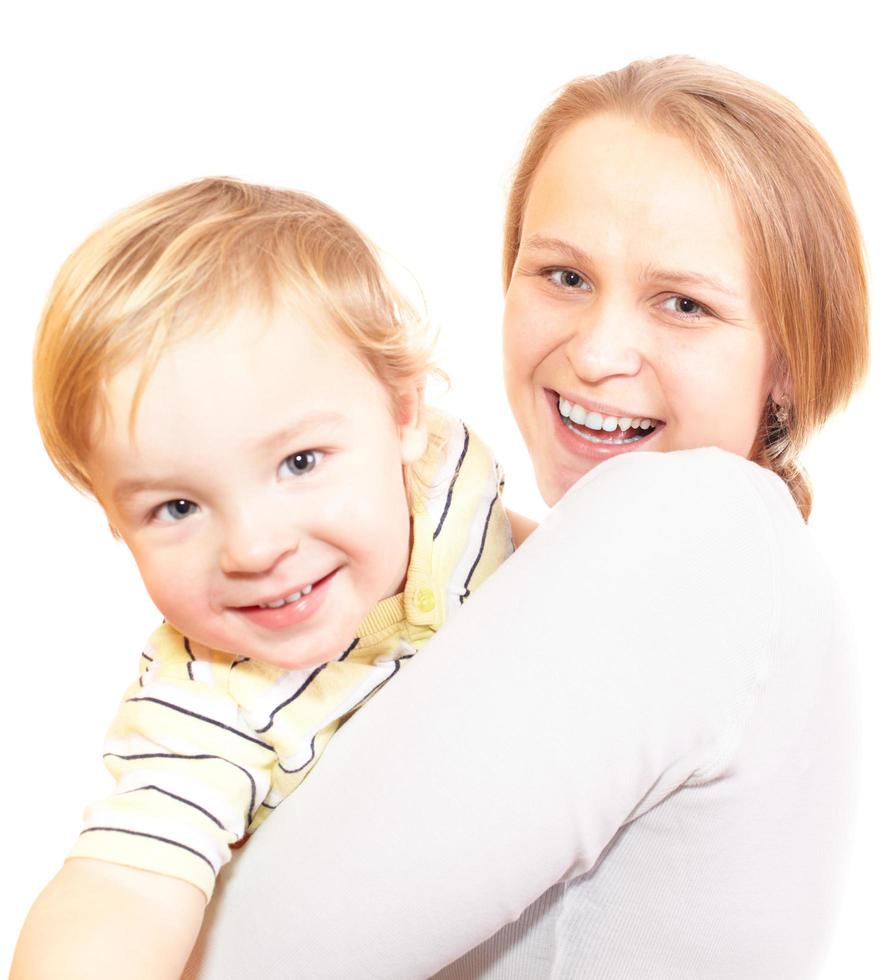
{"type": "Point", "coordinates": [516, 315]}
{"type": "Point", "coordinates": [715, 393]}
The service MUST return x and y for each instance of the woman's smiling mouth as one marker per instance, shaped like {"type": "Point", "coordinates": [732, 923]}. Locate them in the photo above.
{"type": "Point", "coordinates": [604, 429]}
{"type": "Point", "coordinates": [588, 429]}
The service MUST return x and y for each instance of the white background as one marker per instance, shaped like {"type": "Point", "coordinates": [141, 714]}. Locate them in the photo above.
{"type": "Point", "coordinates": [409, 120]}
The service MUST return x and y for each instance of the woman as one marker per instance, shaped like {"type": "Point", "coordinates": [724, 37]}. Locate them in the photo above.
{"type": "Point", "coordinates": [631, 754]}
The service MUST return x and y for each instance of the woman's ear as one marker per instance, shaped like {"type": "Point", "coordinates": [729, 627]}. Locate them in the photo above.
{"type": "Point", "coordinates": [781, 391]}
{"type": "Point", "coordinates": [413, 434]}
{"type": "Point", "coordinates": [780, 381]}
{"type": "Point", "coordinates": [780, 395]}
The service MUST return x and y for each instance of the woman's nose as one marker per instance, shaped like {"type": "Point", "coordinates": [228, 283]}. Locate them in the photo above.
{"type": "Point", "coordinates": [256, 542]}
{"type": "Point", "coordinates": [606, 343]}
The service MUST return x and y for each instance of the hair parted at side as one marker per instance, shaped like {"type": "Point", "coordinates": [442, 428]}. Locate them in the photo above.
{"type": "Point", "coordinates": [802, 238]}
{"type": "Point", "coordinates": [182, 260]}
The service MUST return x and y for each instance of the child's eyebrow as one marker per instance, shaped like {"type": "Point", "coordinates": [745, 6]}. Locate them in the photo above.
{"type": "Point", "coordinates": [131, 488]}
{"type": "Point", "coordinates": [305, 425]}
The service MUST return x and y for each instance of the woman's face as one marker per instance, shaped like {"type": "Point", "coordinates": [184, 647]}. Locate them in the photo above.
{"type": "Point", "coordinates": [630, 322]}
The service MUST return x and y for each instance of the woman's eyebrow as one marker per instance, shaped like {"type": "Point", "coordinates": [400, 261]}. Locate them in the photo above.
{"type": "Point", "coordinates": [674, 276]}
{"type": "Point", "coordinates": [683, 278]}
{"type": "Point", "coordinates": [538, 243]}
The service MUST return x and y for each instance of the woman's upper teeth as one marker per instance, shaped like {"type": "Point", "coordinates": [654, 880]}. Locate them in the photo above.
{"type": "Point", "coordinates": [595, 420]}
{"type": "Point", "coordinates": [306, 590]}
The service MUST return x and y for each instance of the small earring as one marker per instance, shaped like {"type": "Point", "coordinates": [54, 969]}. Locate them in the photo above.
{"type": "Point", "coordinates": [782, 410]}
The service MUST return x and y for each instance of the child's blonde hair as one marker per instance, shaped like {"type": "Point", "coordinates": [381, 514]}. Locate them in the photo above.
{"type": "Point", "coordinates": [184, 259]}
{"type": "Point", "coordinates": [800, 230]}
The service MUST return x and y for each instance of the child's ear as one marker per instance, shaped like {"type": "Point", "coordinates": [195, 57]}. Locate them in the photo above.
{"type": "Point", "coordinates": [112, 527]}
{"type": "Point", "coordinates": [413, 435]}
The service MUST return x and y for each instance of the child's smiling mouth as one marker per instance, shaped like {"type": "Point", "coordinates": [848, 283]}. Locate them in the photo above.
{"type": "Point", "coordinates": [290, 609]}
{"type": "Point", "coordinates": [304, 590]}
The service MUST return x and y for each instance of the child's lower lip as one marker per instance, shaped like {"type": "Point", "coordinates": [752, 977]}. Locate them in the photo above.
{"type": "Point", "coordinates": [292, 613]}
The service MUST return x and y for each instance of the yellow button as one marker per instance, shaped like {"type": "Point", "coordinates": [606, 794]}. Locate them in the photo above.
{"type": "Point", "coordinates": [425, 600]}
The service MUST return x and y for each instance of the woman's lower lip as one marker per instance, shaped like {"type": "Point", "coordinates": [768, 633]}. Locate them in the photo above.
{"type": "Point", "coordinates": [292, 613]}
{"type": "Point", "coordinates": [597, 451]}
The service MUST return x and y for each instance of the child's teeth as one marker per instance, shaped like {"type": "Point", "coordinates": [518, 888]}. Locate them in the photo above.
{"type": "Point", "coordinates": [306, 590]}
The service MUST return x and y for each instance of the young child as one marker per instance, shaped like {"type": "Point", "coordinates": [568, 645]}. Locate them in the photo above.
{"type": "Point", "coordinates": [226, 369]}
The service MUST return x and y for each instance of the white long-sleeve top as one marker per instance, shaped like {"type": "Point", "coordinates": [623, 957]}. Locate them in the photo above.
{"type": "Point", "coordinates": [631, 756]}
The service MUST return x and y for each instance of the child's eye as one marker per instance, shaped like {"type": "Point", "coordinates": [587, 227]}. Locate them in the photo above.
{"type": "Point", "coordinates": [299, 463]}
{"type": "Point", "coordinates": [175, 510]}
{"type": "Point", "coordinates": [567, 279]}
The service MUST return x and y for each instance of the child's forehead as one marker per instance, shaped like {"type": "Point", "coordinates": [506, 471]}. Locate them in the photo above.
{"type": "Point", "coordinates": [223, 403]}
{"type": "Point", "coordinates": [284, 357]}
{"type": "Point", "coordinates": [210, 338]}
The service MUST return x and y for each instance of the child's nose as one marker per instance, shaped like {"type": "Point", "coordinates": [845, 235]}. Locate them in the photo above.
{"type": "Point", "coordinates": [255, 543]}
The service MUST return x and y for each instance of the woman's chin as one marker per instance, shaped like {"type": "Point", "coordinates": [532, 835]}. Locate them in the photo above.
{"type": "Point", "coordinates": [570, 452]}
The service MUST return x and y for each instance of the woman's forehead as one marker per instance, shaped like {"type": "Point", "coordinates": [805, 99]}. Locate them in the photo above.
{"type": "Point", "coordinates": [609, 184]}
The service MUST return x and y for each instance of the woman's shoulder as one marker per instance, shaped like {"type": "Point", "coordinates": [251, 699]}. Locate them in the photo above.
{"type": "Point", "coordinates": [717, 536]}
{"type": "Point", "coordinates": [708, 475]}
{"type": "Point", "coordinates": [712, 536]}
{"type": "Point", "coordinates": [716, 496]}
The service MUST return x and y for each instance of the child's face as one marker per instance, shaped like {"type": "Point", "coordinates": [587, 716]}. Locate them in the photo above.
{"type": "Point", "coordinates": [265, 461]}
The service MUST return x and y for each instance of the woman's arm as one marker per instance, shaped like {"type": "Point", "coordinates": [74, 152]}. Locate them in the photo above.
{"type": "Point", "coordinates": [598, 670]}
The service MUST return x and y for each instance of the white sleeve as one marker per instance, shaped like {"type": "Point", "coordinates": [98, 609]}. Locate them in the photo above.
{"type": "Point", "coordinates": [611, 660]}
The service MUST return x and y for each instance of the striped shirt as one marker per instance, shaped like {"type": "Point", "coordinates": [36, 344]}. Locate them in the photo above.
{"type": "Point", "coordinates": [206, 744]}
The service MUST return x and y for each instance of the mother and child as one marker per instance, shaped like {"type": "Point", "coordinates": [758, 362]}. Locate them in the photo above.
{"type": "Point", "coordinates": [630, 753]}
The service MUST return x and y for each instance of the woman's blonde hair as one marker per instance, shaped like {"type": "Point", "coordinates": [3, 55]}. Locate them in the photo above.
{"type": "Point", "coordinates": [184, 259]}
{"type": "Point", "coordinates": [802, 238]}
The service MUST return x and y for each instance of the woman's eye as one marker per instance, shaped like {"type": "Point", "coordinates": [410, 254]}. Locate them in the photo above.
{"type": "Point", "coordinates": [567, 279]}
{"type": "Point", "coordinates": [685, 307]}
{"type": "Point", "coordinates": [299, 463]}
{"type": "Point", "coordinates": [175, 510]}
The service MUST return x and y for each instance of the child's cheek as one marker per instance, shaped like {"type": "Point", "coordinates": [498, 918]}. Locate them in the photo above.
{"type": "Point", "coordinates": [371, 522]}
{"type": "Point", "coordinates": [178, 591]}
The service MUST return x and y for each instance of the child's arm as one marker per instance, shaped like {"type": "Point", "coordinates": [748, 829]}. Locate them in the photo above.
{"type": "Point", "coordinates": [521, 526]}
{"type": "Point", "coordinates": [100, 920]}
